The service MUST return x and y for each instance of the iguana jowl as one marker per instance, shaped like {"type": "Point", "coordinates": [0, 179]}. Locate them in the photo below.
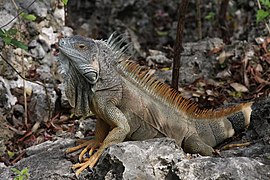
{"type": "Point", "coordinates": [133, 105]}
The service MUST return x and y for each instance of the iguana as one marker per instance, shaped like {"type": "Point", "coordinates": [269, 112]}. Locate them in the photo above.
{"type": "Point", "coordinates": [130, 104]}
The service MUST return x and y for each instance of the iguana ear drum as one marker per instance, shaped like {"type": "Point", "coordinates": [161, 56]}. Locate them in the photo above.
{"type": "Point", "coordinates": [89, 72]}
{"type": "Point", "coordinates": [91, 76]}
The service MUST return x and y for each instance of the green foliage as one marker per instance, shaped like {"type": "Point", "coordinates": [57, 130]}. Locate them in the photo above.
{"type": "Point", "coordinates": [9, 38]}
{"type": "Point", "coordinates": [30, 17]}
{"type": "Point", "coordinates": [65, 2]}
{"type": "Point", "coordinates": [10, 154]}
{"type": "Point", "coordinates": [236, 94]}
{"type": "Point", "coordinates": [263, 14]}
{"type": "Point", "coordinates": [21, 175]}
{"type": "Point", "coordinates": [210, 16]}
{"type": "Point", "coordinates": [265, 3]}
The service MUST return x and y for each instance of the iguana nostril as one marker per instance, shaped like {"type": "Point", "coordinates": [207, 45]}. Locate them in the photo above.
{"type": "Point", "coordinates": [61, 42]}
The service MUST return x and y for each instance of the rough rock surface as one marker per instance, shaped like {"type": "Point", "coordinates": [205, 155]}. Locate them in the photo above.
{"type": "Point", "coordinates": [194, 62]}
{"type": "Point", "coordinates": [150, 159]}
{"type": "Point", "coordinates": [44, 161]}
{"type": "Point", "coordinates": [221, 168]}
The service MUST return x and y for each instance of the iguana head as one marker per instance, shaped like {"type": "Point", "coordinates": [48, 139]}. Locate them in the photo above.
{"type": "Point", "coordinates": [78, 57]}
{"type": "Point", "coordinates": [82, 54]}
{"type": "Point", "coordinates": [89, 66]}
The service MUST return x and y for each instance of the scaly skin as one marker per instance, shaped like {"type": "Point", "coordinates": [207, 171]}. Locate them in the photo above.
{"type": "Point", "coordinates": [132, 105]}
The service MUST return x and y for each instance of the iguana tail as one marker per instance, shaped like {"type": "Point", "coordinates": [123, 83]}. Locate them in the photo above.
{"type": "Point", "coordinates": [214, 126]}
{"type": "Point", "coordinates": [241, 120]}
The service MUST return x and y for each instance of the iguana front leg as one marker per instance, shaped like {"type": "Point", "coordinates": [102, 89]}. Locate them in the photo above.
{"type": "Point", "coordinates": [101, 131]}
{"type": "Point", "coordinates": [120, 128]}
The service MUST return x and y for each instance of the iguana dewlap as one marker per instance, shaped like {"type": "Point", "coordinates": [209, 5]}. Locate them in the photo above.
{"type": "Point", "coordinates": [133, 105]}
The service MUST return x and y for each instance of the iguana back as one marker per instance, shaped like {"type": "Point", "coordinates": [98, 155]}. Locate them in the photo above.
{"type": "Point", "coordinates": [161, 107]}
{"type": "Point", "coordinates": [131, 104]}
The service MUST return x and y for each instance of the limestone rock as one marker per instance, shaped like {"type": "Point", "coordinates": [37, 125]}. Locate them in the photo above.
{"type": "Point", "coordinates": [44, 161]}
{"type": "Point", "coordinates": [221, 168]}
{"type": "Point", "coordinates": [150, 159]}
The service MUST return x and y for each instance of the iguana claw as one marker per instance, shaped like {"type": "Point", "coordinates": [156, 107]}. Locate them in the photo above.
{"type": "Point", "coordinates": [89, 163]}
{"type": "Point", "coordinates": [90, 146]}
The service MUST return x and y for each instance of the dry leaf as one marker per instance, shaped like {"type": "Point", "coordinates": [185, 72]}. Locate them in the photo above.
{"type": "Point", "coordinates": [239, 87]}
{"type": "Point", "coordinates": [223, 56]}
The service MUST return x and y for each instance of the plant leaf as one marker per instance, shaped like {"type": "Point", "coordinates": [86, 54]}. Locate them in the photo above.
{"type": "Point", "coordinates": [7, 40]}
{"type": "Point", "coordinates": [65, 2]}
{"type": "Point", "coordinates": [30, 17]}
{"type": "Point", "coordinates": [210, 16]}
{"type": "Point", "coordinates": [261, 15]}
{"type": "Point", "coordinates": [18, 44]}
{"type": "Point", "coordinates": [16, 170]}
{"type": "Point", "coordinates": [25, 171]}
{"type": "Point", "coordinates": [2, 33]}
{"type": "Point", "coordinates": [10, 154]}
{"type": "Point", "coordinates": [12, 32]}
{"type": "Point", "coordinates": [265, 3]}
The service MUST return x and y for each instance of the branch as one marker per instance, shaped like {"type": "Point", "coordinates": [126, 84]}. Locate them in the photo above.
{"type": "Point", "coordinates": [178, 48]}
{"type": "Point", "coordinates": [35, 82]}
{"type": "Point", "coordinates": [222, 21]}
{"type": "Point", "coordinates": [17, 15]}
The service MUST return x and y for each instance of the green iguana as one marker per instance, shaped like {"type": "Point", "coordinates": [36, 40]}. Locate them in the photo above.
{"type": "Point", "coordinates": [130, 104]}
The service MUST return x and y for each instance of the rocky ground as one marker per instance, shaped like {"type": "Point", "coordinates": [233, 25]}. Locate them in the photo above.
{"type": "Point", "coordinates": [213, 73]}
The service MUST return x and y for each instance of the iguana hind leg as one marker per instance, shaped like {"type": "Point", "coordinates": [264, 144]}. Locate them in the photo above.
{"type": "Point", "coordinates": [193, 144]}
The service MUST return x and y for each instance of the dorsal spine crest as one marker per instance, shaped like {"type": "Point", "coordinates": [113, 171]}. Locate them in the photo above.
{"type": "Point", "coordinates": [133, 72]}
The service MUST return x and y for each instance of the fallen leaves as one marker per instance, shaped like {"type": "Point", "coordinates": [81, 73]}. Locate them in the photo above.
{"type": "Point", "coordinates": [239, 87]}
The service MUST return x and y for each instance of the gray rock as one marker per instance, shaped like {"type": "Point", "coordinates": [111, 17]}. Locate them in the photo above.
{"type": "Point", "coordinates": [59, 15]}
{"type": "Point", "coordinates": [45, 73]}
{"type": "Point", "coordinates": [87, 125]}
{"type": "Point", "coordinates": [48, 36]}
{"type": "Point", "coordinates": [221, 168]}
{"type": "Point", "coordinates": [67, 31]}
{"type": "Point", "coordinates": [143, 16]}
{"type": "Point", "coordinates": [64, 100]}
{"type": "Point", "coordinates": [158, 57]}
{"type": "Point", "coordinates": [5, 134]}
{"type": "Point", "coordinates": [44, 161]}
{"type": "Point", "coordinates": [42, 103]}
{"type": "Point", "coordinates": [48, 60]}
{"type": "Point", "coordinates": [194, 62]}
{"type": "Point", "coordinates": [162, 159]}
{"type": "Point", "coordinates": [5, 17]}
{"type": "Point", "coordinates": [7, 100]}
{"type": "Point", "coordinates": [39, 8]}
{"type": "Point", "coordinates": [150, 159]}
{"type": "Point", "coordinates": [5, 70]}
{"type": "Point", "coordinates": [261, 119]}
{"type": "Point", "coordinates": [18, 110]}
{"type": "Point", "coordinates": [36, 49]}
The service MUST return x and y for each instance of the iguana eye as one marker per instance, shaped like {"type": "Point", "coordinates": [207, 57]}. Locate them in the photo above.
{"type": "Point", "coordinates": [81, 46]}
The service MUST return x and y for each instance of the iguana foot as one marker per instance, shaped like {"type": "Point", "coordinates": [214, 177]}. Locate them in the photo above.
{"type": "Point", "coordinates": [88, 163]}
{"type": "Point", "coordinates": [90, 147]}
{"type": "Point", "coordinates": [217, 152]}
